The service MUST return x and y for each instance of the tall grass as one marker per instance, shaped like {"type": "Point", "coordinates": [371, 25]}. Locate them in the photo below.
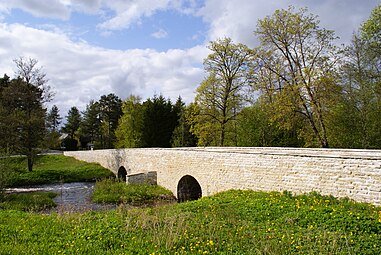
{"type": "Point", "coordinates": [232, 222]}
{"type": "Point", "coordinates": [30, 202]}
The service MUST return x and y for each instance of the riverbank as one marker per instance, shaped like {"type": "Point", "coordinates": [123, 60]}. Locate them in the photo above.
{"type": "Point", "coordinates": [50, 169]}
{"type": "Point", "coordinates": [56, 184]}
{"type": "Point", "coordinates": [232, 222]}
{"type": "Point", "coordinates": [69, 197]}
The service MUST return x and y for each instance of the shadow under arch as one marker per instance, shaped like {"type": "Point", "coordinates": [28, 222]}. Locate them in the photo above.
{"type": "Point", "coordinates": [188, 189]}
{"type": "Point", "coordinates": [122, 173]}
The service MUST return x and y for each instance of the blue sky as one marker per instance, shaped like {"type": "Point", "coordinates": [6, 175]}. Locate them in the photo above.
{"type": "Point", "coordinates": [89, 48]}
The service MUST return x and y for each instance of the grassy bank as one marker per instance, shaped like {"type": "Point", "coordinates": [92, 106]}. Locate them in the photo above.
{"type": "Point", "coordinates": [233, 222]}
{"type": "Point", "coordinates": [113, 191]}
{"type": "Point", "coordinates": [30, 202]}
{"type": "Point", "coordinates": [50, 169]}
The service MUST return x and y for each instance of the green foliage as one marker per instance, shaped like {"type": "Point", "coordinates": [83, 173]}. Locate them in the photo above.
{"type": "Point", "coordinates": [30, 202]}
{"type": "Point", "coordinates": [182, 136]}
{"type": "Point", "coordinates": [255, 129]}
{"type": "Point", "coordinates": [356, 121]}
{"type": "Point", "coordinates": [52, 169]}
{"type": "Point", "coordinates": [22, 113]}
{"type": "Point", "coordinates": [110, 110]}
{"type": "Point", "coordinates": [147, 124]}
{"type": "Point", "coordinates": [221, 95]}
{"type": "Point", "coordinates": [111, 191]}
{"type": "Point", "coordinates": [91, 125]}
{"type": "Point", "coordinates": [99, 122]}
{"type": "Point", "coordinates": [160, 119]}
{"type": "Point", "coordinates": [371, 29]}
{"type": "Point", "coordinates": [73, 121]}
{"type": "Point", "coordinates": [69, 144]}
{"type": "Point", "coordinates": [295, 71]}
{"type": "Point", "coordinates": [232, 222]}
{"type": "Point", "coordinates": [53, 119]}
{"type": "Point", "coordinates": [204, 128]}
{"type": "Point", "coordinates": [129, 133]}
{"type": "Point", "coordinates": [4, 173]}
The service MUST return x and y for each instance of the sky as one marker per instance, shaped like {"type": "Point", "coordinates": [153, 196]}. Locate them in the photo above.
{"type": "Point", "coordinates": [90, 48]}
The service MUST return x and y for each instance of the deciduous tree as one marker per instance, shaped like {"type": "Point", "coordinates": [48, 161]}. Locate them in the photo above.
{"type": "Point", "coordinates": [222, 94]}
{"type": "Point", "coordinates": [129, 133]}
{"type": "Point", "coordinates": [296, 70]}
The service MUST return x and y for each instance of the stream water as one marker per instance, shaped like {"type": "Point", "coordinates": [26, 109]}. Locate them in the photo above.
{"type": "Point", "coordinates": [72, 197]}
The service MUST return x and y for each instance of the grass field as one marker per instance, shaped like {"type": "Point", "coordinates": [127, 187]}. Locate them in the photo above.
{"type": "Point", "coordinates": [232, 222]}
{"type": "Point", "coordinates": [51, 169]}
{"type": "Point", "coordinates": [113, 191]}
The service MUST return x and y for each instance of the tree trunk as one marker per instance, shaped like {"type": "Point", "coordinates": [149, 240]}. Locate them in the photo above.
{"type": "Point", "coordinates": [222, 136]}
{"type": "Point", "coordinates": [30, 161]}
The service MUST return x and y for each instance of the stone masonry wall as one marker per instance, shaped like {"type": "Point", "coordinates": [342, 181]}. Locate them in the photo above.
{"type": "Point", "coordinates": [342, 173]}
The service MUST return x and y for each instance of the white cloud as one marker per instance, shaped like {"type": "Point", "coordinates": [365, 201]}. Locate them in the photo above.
{"type": "Point", "coordinates": [160, 34]}
{"type": "Point", "coordinates": [52, 9]}
{"type": "Point", "coordinates": [130, 12]}
{"type": "Point", "coordinates": [238, 19]}
{"type": "Point", "coordinates": [79, 72]}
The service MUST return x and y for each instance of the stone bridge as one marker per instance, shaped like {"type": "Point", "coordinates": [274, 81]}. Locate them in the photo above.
{"type": "Point", "coordinates": [194, 172]}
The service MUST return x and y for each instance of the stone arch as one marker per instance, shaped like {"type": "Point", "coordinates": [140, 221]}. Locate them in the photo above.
{"type": "Point", "coordinates": [188, 189]}
{"type": "Point", "coordinates": [122, 173]}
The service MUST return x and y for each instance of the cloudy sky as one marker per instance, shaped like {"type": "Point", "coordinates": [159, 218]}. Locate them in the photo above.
{"type": "Point", "coordinates": [90, 48]}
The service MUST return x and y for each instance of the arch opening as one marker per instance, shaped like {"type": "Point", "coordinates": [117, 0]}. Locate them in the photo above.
{"type": "Point", "coordinates": [122, 173]}
{"type": "Point", "coordinates": [188, 189]}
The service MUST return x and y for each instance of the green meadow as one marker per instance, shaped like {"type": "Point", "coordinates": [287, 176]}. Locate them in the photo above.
{"type": "Point", "coordinates": [51, 169]}
{"type": "Point", "coordinates": [231, 222]}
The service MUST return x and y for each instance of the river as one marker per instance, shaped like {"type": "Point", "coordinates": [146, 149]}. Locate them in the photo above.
{"type": "Point", "coordinates": [72, 197]}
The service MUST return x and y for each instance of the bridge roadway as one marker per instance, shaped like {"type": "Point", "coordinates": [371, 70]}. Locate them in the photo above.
{"type": "Point", "coordinates": [194, 172]}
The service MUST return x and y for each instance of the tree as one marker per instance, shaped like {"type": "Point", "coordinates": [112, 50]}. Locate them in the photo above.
{"type": "Point", "coordinates": [371, 30]}
{"type": "Point", "coordinates": [53, 120]}
{"type": "Point", "coordinates": [149, 124]}
{"type": "Point", "coordinates": [159, 121]}
{"type": "Point", "coordinates": [8, 125]}
{"type": "Point", "coordinates": [356, 123]}
{"type": "Point", "coordinates": [129, 133]}
{"type": "Point", "coordinates": [73, 121]}
{"type": "Point", "coordinates": [221, 95]}
{"type": "Point", "coordinates": [22, 102]}
{"type": "Point", "coordinates": [110, 108]}
{"type": "Point", "coordinates": [90, 128]}
{"type": "Point", "coordinates": [182, 137]}
{"type": "Point", "coordinates": [202, 126]}
{"type": "Point", "coordinates": [255, 129]}
{"type": "Point", "coordinates": [295, 71]}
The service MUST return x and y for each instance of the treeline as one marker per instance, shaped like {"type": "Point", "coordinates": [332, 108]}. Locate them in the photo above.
{"type": "Point", "coordinates": [297, 88]}
{"type": "Point", "coordinates": [111, 123]}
